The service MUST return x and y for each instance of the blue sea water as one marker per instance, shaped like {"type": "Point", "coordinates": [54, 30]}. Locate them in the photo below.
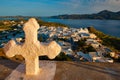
{"type": "Point", "coordinates": [110, 27]}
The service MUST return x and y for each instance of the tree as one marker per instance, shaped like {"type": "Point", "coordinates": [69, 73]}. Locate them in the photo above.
{"type": "Point", "coordinates": [81, 43]}
{"type": "Point", "coordinates": [90, 49]}
{"type": "Point", "coordinates": [62, 57]}
{"type": "Point", "coordinates": [40, 38]}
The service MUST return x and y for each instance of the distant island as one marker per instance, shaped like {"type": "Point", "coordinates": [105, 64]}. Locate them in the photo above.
{"type": "Point", "coordinates": [105, 14]}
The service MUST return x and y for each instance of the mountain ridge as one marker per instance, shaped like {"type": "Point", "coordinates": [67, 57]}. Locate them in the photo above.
{"type": "Point", "coordinates": [105, 14]}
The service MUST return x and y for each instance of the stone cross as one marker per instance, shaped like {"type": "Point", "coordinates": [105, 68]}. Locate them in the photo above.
{"type": "Point", "coordinates": [31, 49]}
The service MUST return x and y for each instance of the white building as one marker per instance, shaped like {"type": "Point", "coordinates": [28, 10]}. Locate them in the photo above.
{"type": "Point", "coordinates": [93, 36]}
{"type": "Point", "coordinates": [85, 56]}
{"type": "Point", "coordinates": [94, 56]}
{"type": "Point", "coordinates": [81, 30]}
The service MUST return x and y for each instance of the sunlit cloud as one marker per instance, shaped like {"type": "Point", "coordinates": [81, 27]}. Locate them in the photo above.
{"type": "Point", "coordinates": [93, 5]}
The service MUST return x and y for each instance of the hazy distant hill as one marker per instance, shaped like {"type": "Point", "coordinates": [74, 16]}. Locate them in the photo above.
{"type": "Point", "coordinates": [105, 14]}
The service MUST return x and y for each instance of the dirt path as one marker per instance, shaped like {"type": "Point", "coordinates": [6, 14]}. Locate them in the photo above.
{"type": "Point", "coordinates": [2, 29]}
{"type": "Point", "coordinates": [87, 71]}
{"type": "Point", "coordinates": [66, 70]}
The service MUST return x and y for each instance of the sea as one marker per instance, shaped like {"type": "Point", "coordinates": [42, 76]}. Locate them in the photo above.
{"type": "Point", "coordinates": [109, 27]}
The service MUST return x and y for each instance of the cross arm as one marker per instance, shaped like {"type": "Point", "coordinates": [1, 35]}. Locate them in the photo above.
{"type": "Point", "coordinates": [11, 48]}
{"type": "Point", "coordinates": [51, 50]}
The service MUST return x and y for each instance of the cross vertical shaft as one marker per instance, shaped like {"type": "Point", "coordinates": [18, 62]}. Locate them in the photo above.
{"type": "Point", "coordinates": [32, 67]}
{"type": "Point", "coordinates": [30, 29]}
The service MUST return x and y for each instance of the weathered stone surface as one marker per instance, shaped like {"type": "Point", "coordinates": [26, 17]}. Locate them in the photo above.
{"type": "Point", "coordinates": [32, 48]}
{"type": "Point", "coordinates": [47, 72]}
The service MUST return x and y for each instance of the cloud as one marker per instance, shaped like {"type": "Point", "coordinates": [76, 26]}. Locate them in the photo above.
{"type": "Point", "coordinates": [92, 5]}
{"type": "Point", "coordinates": [113, 5]}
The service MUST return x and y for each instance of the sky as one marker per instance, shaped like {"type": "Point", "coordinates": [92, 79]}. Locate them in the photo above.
{"type": "Point", "coordinates": [55, 7]}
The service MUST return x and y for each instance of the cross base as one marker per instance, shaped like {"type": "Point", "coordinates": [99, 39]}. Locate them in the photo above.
{"type": "Point", "coordinates": [47, 72]}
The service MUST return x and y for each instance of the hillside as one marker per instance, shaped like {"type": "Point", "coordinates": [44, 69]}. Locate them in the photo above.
{"type": "Point", "coordinates": [110, 41]}
{"type": "Point", "coordinates": [105, 14]}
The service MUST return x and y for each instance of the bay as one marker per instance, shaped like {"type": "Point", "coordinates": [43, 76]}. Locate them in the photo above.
{"type": "Point", "coordinates": [110, 27]}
